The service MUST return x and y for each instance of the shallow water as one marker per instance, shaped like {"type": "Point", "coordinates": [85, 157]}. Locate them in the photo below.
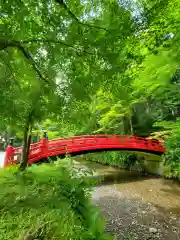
{"type": "Point", "coordinates": [137, 205]}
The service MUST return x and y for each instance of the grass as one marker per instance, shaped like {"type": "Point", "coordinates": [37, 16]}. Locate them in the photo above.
{"type": "Point", "coordinates": [47, 202]}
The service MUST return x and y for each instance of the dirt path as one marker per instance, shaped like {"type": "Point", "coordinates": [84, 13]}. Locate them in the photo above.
{"type": "Point", "coordinates": [129, 217]}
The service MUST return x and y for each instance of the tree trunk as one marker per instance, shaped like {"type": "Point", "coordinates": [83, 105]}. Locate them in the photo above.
{"type": "Point", "coordinates": [24, 153]}
{"type": "Point", "coordinates": [27, 142]}
{"type": "Point", "coordinates": [131, 126]}
{"type": "Point", "coordinates": [125, 128]}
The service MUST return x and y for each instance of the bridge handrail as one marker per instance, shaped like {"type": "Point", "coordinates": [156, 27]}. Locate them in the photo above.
{"type": "Point", "coordinates": [45, 148]}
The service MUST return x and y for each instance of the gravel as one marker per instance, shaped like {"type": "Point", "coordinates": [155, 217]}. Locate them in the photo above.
{"type": "Point", "coordinates": [132, 218]}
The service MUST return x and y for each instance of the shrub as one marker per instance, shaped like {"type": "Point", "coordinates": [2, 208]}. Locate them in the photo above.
{"type": "Point", "coordinates": [172, 156]}
{"type": "Point", "coordinates": [113, 158]}
{"type": "Point", "coordinates": [48, 202]}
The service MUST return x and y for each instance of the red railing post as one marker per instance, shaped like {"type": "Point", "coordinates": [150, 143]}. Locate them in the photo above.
{"type": "Point", "coordinates": [44, 147]}
{"type": "Point", "coordinates": [9, 156]}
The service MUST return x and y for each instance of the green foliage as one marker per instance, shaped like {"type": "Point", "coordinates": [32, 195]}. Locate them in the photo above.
{"type": "Point", "coordinates": [115, 158]}
{"type": "Point", "coordinates": [47, 68]}
{"type": "Point", "coordinates": [48, 202]}
{"type": "Point", "coordinates": [167, 129]}
{"type": "Point", "coordinates": [172, 155]}
{"type": "Point", "coordinates": [109, 67]}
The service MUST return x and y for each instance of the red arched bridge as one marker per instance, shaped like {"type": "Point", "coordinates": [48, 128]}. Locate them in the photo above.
{"type": "Point", "coordinates": [83, 144]}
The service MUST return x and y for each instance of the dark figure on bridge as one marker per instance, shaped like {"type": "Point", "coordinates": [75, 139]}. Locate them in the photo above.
{"type": "Point", "coordinates": [11, 141]}
{"type": "Point", "coordinates": [45, 135]}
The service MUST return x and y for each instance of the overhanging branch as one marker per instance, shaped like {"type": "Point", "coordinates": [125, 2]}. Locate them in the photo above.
{"type": "Point", "coordinates": [16, 44]}
{"type": "Point", "coordinates": [51, 41]}
{"type": "Point", "coordinates": [73, 16]}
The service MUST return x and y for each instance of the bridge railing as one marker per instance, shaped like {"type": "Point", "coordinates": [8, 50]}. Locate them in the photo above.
{"type": "Point", "coordinates": [89, 140]}
{"type": "Point", "coordinates": [44, 148]}
{"type": "Point", "coordinates": [13, 155]}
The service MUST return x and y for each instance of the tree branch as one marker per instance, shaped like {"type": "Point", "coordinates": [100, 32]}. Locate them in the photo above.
{"type": "Point", "coordinates": [55, 42]}
{"type": "Point", "coordinates": [28, 56]}
{"type": "Point", "coordinates": [62, 3]}
{"type": "Point", "coordinates": [73, 16]}
{"type": "Point", "coordinates": [6, 43]}
{"type": "Point", "coordinates": [10, 70]}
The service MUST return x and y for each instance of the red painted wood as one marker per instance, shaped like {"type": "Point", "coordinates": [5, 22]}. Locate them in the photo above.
{"type": "Point", "coordinates": [87, 143]}
{"type": "Point", "coordinates": [9, 156]}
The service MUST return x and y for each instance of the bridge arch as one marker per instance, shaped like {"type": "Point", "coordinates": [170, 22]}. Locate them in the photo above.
{"type": "Point", "coordinates": [85, 144]}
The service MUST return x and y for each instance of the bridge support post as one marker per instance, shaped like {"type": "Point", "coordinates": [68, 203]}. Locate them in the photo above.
{"type": "Point", "coordinates": [44, 147]}
{"type": "Point", "coordinates": [9, 156]}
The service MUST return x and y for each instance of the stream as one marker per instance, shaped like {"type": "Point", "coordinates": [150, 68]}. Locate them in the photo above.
{"type": "Point", "coordinates": [137, 206]}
